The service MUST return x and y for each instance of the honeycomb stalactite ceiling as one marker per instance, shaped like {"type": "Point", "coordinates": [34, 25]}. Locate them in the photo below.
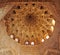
{"type": "Point", "coordinates": [29, 23]}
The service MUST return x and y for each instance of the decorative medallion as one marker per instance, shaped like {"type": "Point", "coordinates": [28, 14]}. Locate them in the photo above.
{"type": "Point", "coordinates": [29, 23]}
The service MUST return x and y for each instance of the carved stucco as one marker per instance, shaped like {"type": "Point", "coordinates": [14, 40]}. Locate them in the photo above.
{"type": "Point", "coordinates": [49, 47]}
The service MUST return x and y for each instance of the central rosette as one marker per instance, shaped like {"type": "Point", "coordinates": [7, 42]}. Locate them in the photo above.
{"type": "Point", "coordinates": [30, 19]}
